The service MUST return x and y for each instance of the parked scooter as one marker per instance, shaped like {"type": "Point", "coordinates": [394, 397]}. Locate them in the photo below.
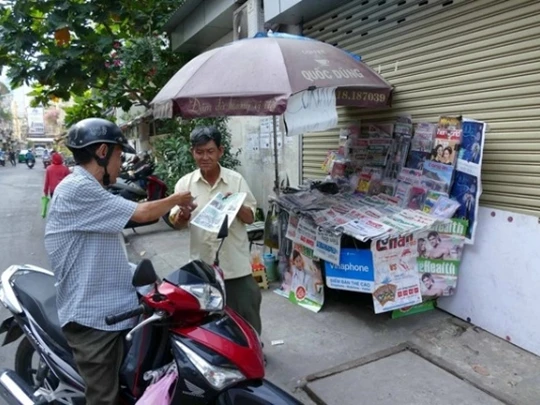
{"type": "Point", "coordinates": [139, 184]}
{"type": "Point", "coordinates": [217, 354]}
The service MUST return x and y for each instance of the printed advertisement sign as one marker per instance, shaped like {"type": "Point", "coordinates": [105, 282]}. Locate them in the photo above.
{"type": "Point", "coordinates": [302, 282]}
{"type": "Point", "coordinates": [354, 273]}
{"type": "Point", "coordinates": [36, 124]}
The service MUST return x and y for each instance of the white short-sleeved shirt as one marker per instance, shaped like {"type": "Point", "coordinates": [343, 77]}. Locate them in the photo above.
{"type": "Point", "coordinates": [87, 253]}
{"type": "Point", "coordinates": [234, 256]}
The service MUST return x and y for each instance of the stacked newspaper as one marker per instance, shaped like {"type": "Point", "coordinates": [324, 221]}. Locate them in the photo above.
{"type": "Point", "coordinates": [362, 217]}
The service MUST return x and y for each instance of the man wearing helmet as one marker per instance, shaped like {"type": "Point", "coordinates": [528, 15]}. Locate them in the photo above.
{"type": "Point", "coordinates": [83, 239]}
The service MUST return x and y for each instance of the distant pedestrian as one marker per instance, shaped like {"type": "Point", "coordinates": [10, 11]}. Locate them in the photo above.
{"type": "Point", "coordinates": [55, 174]}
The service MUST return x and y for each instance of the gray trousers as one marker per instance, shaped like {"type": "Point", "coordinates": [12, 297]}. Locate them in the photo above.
{"type": "Point", "coordinates": [244, 296]}
{"type": "Point", "coordinates": [98, 355]}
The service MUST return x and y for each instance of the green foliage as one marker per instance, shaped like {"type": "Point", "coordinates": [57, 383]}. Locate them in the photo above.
{"type": "Point", "coordinates": [85, 106]}
{"type": "Point", "coordinates": [63, 47]}
{"type": "Point", "coordinates": [174, 158]}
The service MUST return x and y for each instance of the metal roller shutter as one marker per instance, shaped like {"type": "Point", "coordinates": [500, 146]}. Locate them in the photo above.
{"type": "Point", "coordinates": [480, 59]}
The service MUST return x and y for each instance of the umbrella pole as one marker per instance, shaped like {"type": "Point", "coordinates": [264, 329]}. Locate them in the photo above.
{"type": "Point", "coordinates": [276, 170]}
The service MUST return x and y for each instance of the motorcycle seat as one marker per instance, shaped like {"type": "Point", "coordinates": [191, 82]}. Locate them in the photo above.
{"type": "Point", "coordinates": [37, 293]}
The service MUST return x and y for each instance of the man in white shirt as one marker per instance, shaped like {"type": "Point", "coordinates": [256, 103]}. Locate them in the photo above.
{"type": "Point", "coordinates": [243, 293]}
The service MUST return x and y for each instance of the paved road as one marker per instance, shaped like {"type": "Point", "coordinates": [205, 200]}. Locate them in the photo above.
{"type": "Point", "coordinates": [21, 228]}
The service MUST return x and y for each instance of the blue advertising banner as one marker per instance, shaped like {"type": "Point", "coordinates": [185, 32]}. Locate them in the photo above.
{"type": "Point", "coordinates": [354, 273]}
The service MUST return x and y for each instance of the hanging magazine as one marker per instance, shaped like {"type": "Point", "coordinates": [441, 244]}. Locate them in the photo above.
{"type": "Point", "coordinates": [447, 140]}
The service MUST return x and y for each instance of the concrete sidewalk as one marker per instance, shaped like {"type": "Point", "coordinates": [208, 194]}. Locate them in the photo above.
{"type": "Point", "coordinates": [348, 355]}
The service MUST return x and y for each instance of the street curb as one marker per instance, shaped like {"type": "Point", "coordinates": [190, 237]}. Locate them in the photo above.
{"type": "Point", "coordinates": [477, 383]}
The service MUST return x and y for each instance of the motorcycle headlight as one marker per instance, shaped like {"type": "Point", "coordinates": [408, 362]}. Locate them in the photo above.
{"type": "Point", "coordinates": [218, 377]}
{"type": "Point", "coordinates": [210, 298]}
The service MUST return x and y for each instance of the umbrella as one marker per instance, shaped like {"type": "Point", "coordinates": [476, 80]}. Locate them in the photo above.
{"type": "Point", "coordinates": [258, 76]}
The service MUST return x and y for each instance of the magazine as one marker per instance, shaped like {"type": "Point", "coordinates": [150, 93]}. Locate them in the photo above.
{"type": "Point", "coordinates": [396, 275]}
{"type": "Point", "coordinates": [376, 130]}
{"type": "Point", "coordinates": [439, 256]}
{"type": "Point", "coordinates": [431, 198]}
{"type": "Point", "coordinates": [417, 158]}
{"type": "Point", "coordinates": [466, 190]}
{"type": "Point", "coordinates": [473, 142]}
{"type": "Point", "coordinates": [211, 217]}
{"type": "Point", "coordinates": [447, 140]}
{"type": "Point", "coordinates": [439, 172]}
{"type": "Point", "coordinates": [421, 145]}
{"type": "Point", "coordinates": [469, 166]}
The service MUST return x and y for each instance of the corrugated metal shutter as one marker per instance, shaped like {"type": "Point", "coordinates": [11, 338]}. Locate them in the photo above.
{"type": "Point", "coordinates": [478, 58]}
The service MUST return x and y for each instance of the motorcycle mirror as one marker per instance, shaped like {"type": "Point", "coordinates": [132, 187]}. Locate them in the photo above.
{"type": "Point", "coordinates": [224, 230]}
{"type": "Point", "coordinates": [222, 234]}
{"type": "Point", "coordinates": [144, 274]}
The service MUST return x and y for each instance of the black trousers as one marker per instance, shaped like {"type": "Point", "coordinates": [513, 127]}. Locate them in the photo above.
{"type": "Point", "coordinates": [244, 296]}
{"type": "Point", "coordinates": [98, 355]}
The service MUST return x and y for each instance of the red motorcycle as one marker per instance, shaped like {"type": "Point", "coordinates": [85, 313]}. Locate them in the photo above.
{"type": "Point", "coordinates": [216, 354]}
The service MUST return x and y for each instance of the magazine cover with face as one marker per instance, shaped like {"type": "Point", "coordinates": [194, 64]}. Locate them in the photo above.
{"type": "Point", "coordinates": [439, 256]}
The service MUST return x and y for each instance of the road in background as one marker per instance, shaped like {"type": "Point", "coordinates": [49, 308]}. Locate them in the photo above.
{"type": "Point", "coordinates": [21, 228]}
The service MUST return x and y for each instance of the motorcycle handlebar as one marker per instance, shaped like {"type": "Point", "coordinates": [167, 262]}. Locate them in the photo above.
{"type": "Point", "coordinates": [112, 319]}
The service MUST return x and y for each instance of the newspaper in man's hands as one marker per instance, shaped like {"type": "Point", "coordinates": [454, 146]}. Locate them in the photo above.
{"type": "Point", "coordinates": [213, 214]}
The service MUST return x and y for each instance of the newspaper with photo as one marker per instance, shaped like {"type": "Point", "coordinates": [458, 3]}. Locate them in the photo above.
{"type": "Point", "coordinates": [439, 256]}
{"type": "Point", "coordinates": [211, 217]}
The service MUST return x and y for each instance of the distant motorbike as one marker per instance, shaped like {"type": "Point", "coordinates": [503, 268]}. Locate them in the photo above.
{"type": "Point", "coordinates": [30, 163]}
{"type": "Point", "coordinates": [2, 160]}
{"type": "Point", "coordinates": [141, 185]}
{"type": "Point", "coordinates": [46, 161]}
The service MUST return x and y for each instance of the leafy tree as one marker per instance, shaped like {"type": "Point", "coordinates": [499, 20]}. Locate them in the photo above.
{"type": "Point", "coordinates": [173, 151]}
{"type": "Point", "coordinates": [65, 47]}
{"type": "Point", "coordinates": [84, 106]}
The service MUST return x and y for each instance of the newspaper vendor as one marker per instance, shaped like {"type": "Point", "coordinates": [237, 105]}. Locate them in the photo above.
{"type": "Point", "coordinates": [243, 293]}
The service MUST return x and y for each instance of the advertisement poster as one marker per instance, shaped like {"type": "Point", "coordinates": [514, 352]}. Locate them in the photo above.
{"type": "Point", "coordinates": [396, 274]}
{"type": "Point", "coordinates": [328, 245]}
{"type": "Point", "coordinates": [36, 123]}
{"type": "Point", "coordinates": [439, 256]}
{"type": "Point", "coordinates": [303, 283]}
{"type": "Point", "coordinates": [467, 184]}
{"type": "Point", "coordinates": [354, 273]}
